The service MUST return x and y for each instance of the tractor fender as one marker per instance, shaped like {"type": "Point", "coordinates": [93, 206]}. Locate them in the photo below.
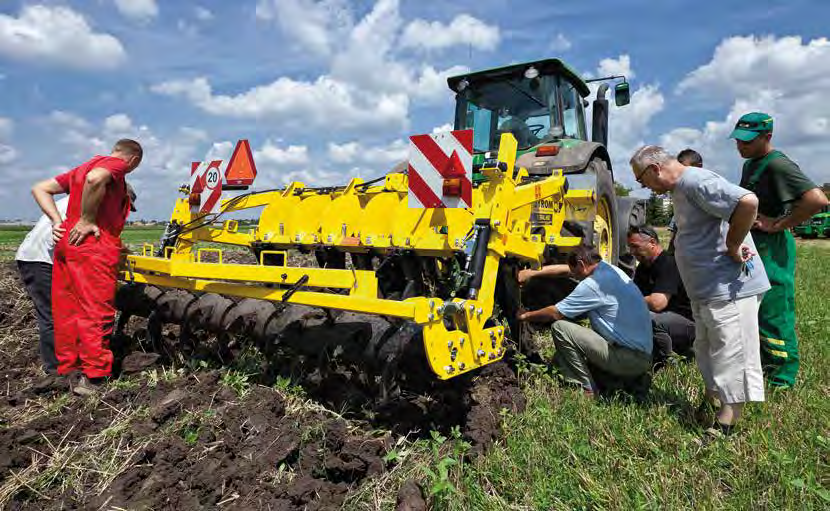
{"type": "Point", "coordinates": [572, 160]}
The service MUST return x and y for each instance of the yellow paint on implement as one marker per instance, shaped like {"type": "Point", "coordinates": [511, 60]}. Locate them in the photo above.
{"type": "Point", "coordinates": [360, 218]}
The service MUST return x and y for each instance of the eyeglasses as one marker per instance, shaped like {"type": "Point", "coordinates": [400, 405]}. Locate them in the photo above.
{"type": "Point", "coordinates": [639, 177]}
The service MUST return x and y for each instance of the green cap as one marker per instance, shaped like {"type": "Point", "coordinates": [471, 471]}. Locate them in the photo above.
{"type": "Point", "coordinates": [751, 125]}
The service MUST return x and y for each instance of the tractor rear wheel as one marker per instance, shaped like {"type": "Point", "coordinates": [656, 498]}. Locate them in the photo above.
{"type": "Point", "coordinates": [604, 228]}
{"type": "Point", "coordinates": [631, 212]}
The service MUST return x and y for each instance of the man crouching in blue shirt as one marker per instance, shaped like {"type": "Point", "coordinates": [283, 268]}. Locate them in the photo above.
{"type": "Point", "coordinates": [619, 341]}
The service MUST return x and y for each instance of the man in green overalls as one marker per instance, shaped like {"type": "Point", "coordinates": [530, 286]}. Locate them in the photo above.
{"type": "Point", "coordinates": [786, 198]}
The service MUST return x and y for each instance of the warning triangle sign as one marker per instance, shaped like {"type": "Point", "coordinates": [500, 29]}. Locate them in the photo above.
{"type": "Point", "coordinates": [241, 170]}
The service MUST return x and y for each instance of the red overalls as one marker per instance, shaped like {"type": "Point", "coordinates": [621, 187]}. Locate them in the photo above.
{"type": "Point", "coordinates": [84, 277]}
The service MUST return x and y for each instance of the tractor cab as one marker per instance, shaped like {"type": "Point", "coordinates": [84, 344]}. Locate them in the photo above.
{"type": "Point", "coordinates": [538, 102]}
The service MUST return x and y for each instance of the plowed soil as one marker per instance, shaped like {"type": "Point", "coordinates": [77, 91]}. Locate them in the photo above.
{"type": "Point", "coordinates": [175, 431]}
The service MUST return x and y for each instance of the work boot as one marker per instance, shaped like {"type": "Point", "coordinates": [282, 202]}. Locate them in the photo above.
{"type": "Point", "coordinates": [85, 386]}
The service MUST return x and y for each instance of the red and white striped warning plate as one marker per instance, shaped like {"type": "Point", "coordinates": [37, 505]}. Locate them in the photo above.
{"type": "Point", "coordinates": [441, 170]}
{"type": "Point", "coordinates": [205, 181]}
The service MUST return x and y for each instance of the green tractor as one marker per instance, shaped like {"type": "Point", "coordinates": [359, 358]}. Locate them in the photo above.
{"type": "Point", "coordinates": [817, 225]}
{"type": "Point", "coordinates": [543, 104]}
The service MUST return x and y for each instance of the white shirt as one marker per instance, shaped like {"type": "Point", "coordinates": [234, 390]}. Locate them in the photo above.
{"type": "Point", "coordinates": [38, 246]}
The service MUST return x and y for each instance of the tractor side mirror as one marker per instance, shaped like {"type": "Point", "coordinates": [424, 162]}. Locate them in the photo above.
{"type": "Point", "coordinates": [622, 94]}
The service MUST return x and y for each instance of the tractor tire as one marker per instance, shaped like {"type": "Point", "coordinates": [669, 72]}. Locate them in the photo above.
{"type": "Point", "coordinates": [603, 233]}
{"type": "Point", "coordinates": [604, 230]}
{"type": "Point", "coordinates": [631, 212]}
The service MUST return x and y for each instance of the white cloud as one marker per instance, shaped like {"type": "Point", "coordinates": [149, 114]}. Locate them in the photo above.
{"type": "Point", "coordinates": [139, 10]}
{"type": "Point", "coordinates": [219, 151]}
{"type": "Point", "coordinates": [58, 35]}
{"type": "Point", "coordinates": [442, 128]}
{"type": "Point", "coordinates": [325, 103]}
{"type": "Point", "coordinates": [628, 126]}
{"type": "Point", "coordinates": [785, 77]}
{"type": "Point", "coordinates": [120, 123]}
{"type": "Point", "coordinates": [167, 156]}
{"type": "Point", "coordinates": [367, 86]}
{"type": "Point", "coordinates": [630, 123]}
{"type": "Point", "coordinates": [615, 67]}
{"type": "Point", "coordinates": [6, 128]}
{"type": "Point", "coordinates": [741, 65]}
{"type": "Point", "coordinates": [203, 13]}
{"type": "Point", "coordinates": [368, 60]}
{"type": "Point", "coordinates": [431, 85]}
{"type": "Point", "coordinates": [463, 30]}
{"type": "Point", "coordinates": [378, 157]}
{"type": "Point", "coordinates": [271, 154]}
{"type": "Point", "coordinates": [561, 43]}
{"type": "Point", "coordinates": [365, 57]}
{"type": "Point", "coordinates": [64, 119]}
{"type": "Point", "coordinates": [7, 154]}
{"type": "Point", "coordinates": [317, 26]}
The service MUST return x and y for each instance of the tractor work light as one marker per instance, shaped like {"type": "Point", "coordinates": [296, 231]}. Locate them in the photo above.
{"type": "Point", "coordinates": [531, 73]}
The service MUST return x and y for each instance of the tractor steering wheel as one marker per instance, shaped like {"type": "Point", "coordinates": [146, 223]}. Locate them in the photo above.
{"type": "Point", "coordinates": [535, 129]}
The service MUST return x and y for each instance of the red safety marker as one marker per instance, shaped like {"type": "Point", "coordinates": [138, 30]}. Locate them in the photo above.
{"type": "Point", "coordinates": [241, 170]}
{"type": "Point", "coordinates": [205, 186]}
{"type": "Point", "coordinates": [441, 170]}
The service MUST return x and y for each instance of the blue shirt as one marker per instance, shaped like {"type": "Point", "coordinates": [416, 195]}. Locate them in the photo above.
{"type": "Point", "coordinates": [703, 205]}
{"type": "Point", "coordinates": [615, 307]}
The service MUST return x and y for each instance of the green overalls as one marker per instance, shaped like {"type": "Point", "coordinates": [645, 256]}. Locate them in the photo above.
{"type": "Point", "coordinates": [776, 317]}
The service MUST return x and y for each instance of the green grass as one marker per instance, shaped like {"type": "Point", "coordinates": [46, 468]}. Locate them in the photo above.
{"type": "Point", "coordinates": [133, 236]}
{"type": "Point", "coordinates": [136, 235]}
{"type": "Point", "coordinates": [566, 452]}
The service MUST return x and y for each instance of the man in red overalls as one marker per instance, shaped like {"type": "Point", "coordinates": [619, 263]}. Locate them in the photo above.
{"type": "Point", "coordinates": [86, 260]}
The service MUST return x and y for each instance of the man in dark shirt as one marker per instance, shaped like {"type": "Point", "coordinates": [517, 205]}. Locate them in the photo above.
{"type": "Point", "coordinates": [658, 279]}
{"type": "Point", "coordinates": [786, 197]}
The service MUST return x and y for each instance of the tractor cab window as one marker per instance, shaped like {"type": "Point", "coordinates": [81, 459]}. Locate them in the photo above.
{"type": "Point", "coordinates": [573, 112]}
{"type": "Point", "coordinates": [521, 106]}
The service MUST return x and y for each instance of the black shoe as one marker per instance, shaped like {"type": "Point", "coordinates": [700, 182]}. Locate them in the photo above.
{"type": "Point", "coordinates": [716, 432]}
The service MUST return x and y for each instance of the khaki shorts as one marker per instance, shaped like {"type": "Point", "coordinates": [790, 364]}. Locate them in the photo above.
{"type": "Point", "coordinates": [727, 348]}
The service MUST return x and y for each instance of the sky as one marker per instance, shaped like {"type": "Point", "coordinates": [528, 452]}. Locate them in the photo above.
{"type": "Point", "coordinates": [326, 90]}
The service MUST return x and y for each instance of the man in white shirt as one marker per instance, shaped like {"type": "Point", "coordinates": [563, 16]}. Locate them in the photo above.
{"type": "Point", "coordinates": [34, 260]}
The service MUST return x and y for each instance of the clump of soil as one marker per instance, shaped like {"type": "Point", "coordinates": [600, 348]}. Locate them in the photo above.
{"type": "Point", "coordinates": [174, 438]}
{"type": "Point", "coordinates": [248, 455]}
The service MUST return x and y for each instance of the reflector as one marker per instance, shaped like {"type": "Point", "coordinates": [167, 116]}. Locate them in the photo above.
{"type": "Point", "coordinates": [547, 150]}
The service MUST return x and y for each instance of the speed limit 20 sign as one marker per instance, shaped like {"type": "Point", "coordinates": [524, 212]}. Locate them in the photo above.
{"type": "Point", "coordinates": [206, 183]}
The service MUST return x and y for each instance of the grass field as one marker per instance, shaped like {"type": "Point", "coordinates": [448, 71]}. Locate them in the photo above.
{"type": "Point", "coordinates": [11, 236]}
{"type": "Point", "coordinates": [565, 452]}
